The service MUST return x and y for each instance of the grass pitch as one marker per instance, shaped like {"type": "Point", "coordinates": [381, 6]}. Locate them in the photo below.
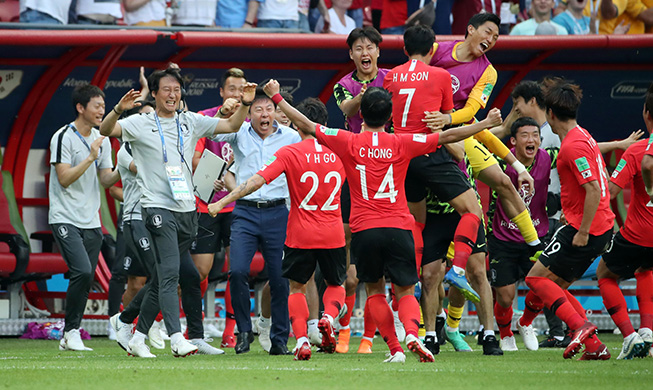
{"type": "Point", "coordinates": [38, 364]}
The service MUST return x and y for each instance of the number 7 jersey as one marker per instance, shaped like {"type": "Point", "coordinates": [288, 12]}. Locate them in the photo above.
{"type": "Point", "coordinates": [314, 175]}
{"type": "Point", "coordinates": [376, 164]}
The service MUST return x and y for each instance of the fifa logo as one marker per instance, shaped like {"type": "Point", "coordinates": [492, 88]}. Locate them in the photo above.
{"type": "Point", "coordinates": [63, 231]}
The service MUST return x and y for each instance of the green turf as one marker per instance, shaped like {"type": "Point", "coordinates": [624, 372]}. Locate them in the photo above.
{"type": "Point", "coordinates": [36, 364]}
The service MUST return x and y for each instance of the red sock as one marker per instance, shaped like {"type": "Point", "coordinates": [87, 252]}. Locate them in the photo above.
{"type": "Point", "coordinates": [554, 298]}
{"type": "Point", "coordinates": [298, 312]}
{"type": "Point", "coordinates": [533, 307]}
{"type": "Point", "coordinates": [204, 285]}
{"type": "Point", "coordinates": [350, 301]}
{"type": "Point", "coordinates": [333, 299]}
{"type": "Point", "coordinates": [464, 239]}
{"type": "Point", "coordinates": [368, 322]}
{"type": "Point", "coordinates": [503, 316]}
{"type": "Point", "coordinates": [394, 303]}
{"type": "Point", "coordinates": [409, 314]}
{"type": "Point", "coordinates": [615, 303]}
{"type": "Point", "coordinates": [577, 306]}
{"type": "Point", "coordinates": [383, 318]}
{"type": "Point", "coordinates": [644, 294]}
{"type": "Point", "coordinates": [230, 318]}
{"type": "Point", "coordinates": [417, 230]}
{"type": "Point", "coordinates": [182, 314]}
{"type": "Point", "coordinates": [159, 317]}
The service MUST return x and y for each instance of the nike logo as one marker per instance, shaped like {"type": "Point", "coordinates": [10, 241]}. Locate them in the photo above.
{"type": "Point", "coordinates": [576, 340]}
{"type": "Point", "coordinates": [603, 352]}
{"type": "Point", "coordinates": [154, 130]}
{"type": "Point", "coordinates": [480, 246]}
{"type": "Point", "coordinates": [487, 158]}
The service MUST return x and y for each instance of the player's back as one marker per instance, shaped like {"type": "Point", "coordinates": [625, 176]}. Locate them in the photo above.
{"type": "Point", "coordinates": [417, 87]}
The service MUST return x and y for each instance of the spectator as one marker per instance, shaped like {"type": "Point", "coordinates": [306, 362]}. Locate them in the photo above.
{"type": "Point", "coordinates": [393, 17]}
{"type": "Point", "coordinates": [624, 17]}
{"type": "Point", "coordinates": [573, 19]}
{"type": "Point", "coordinates": [541, 12]}
{"type": "Point", "coordinates": [355, 11]}
{"type": "Point", "coordinates": [341, 23]}
{"type": "Point", "coordinates": [195, 13]}
{"type": "Point", "coordinates": [278, 14]}
{"type": "Point", "coordinates": [463, 10]}
{"type": "Point", "coordinates": [546, 28]}
{"type": "Point", "coordinates": [237, 13]}
{"type": "Point", "coordinates": [150, 13]}
{"type": "Point", "coordinates": [98, 11]}
{"type": "Point", "coordinates": [44, 11]}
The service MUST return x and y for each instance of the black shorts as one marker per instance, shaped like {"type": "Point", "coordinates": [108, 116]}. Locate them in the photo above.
{"type": "Point", "coordinates": [384, 250]}
{"type": "Point", "coordinates": [139, 257]}
{"type": "Point", "coordinates": [624, 258]}
{"type": "Point", "coordinates": [299, 264]}
{"type": "Point", "coordinates": [345, 202]}
{"type": "Point", "coordinates": [212, 233]}
{"type": "Point", "coordinates": [570, 262]}
{"type": "Point", "coordinates": [438, 235]}
{"type": "Point", "coordinates": [509, 261]}
{"type": "Point", "coordinates": [445, 179]}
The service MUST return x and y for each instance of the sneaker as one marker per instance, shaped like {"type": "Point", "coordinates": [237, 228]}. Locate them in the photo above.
{"type": "Point", "coordinates": [314, 336]}
{"type": "Point", "coordinates": [111, 334]}
{"type": "Point", "coordinates": [211, 331]}
{"type": "Point", "coordinates": [398, 357]}
{"type": "Point", "coordinates": [139, 349]}
{"type": "Point", "coordinates": [432, 345]}
{"type": "Point", "coordinates": [440, 323]}
{"type": "Point", "coordinates": [124, 331]}
{"type": "Point", "coordinates": [456, 339]}
{"type": "Point", "coordinates": [491, 346]}
{"type": "Point", "coordinates": [647, 336]}
{"type": "Point", "coordinates": [228, 342]}
{"type": "Point", "coordinates": [399, 327]}
{"type": "Point", "coordinates": [461, 283]}
{"type": "Point", "coordinates": [415, 346]}
{"type": "Point", "coordinates": [552, 342]}
{"type": "Point", "coordinates": [154, 336]}
{"type": "Point", "coordinates": [303, 352]}
{"type": "Point", "coordinates": [508, 344]}
{"type": "Point", "coordinates": [365, 346]}
{"type": "Point", "coordinates": [528, 337]}
{"type": "Point", "coordinates": [264, 335]}
{"type": "Point", "coordinates": [343, 340]}
{"type": "Point", "coordinates": [183, 348]}
{"type": "Point", "coordinates": [328, 336]}
{"type": "Point", "coordinates": [204, 348]}
{"type": "Point", "coordinates": [580, 335]}
{"type": "Point", "coordinates": [632, 347]}
{"type": "Point", "coordinates": [72, 341]}
{"type": "Point", "coordinates": [601, 353]}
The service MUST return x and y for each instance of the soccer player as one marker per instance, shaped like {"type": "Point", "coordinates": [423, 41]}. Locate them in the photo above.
{"type": "Point", "coordinates": [80, 160]}
{"type": "Point", "coordinates": [510, 257]}
{"type": "Point", "coordinates": [631, 253]}
{"type": "Point", "coordinates": [586, 206]}
{"type": "Point", "coordinates": [314, 175]}
{"type": "Point", "coordinates": [376, 163]}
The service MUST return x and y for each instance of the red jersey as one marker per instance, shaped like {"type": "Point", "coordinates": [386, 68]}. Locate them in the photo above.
{"type": "Point", "coordinates": [314, 175]}
{"type": "Point", "coordinates": [649, 149]}
{"type": "Point", "coordinates": [417, 87]}
{"type": "Point", "coordinates": [376, 165]}
{"type": "Point", "coordinates": [580, 162]}
{"type": "Point", "coordinates": [638, 227]}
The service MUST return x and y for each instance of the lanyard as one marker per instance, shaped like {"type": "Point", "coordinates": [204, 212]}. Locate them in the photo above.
{"type": "Point", "coordinates": [578, 29]}
{"type": "Point", "coordinates": [70, 125]}
{"type": "Point", "coordinates": [163, 142]}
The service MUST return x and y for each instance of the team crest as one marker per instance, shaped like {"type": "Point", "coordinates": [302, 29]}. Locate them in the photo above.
{"type": "Point", "coordinates": [227, 152]}
{"type": "Point", "coordinates": [185, 131]}
{"type": "Point", "coordinates": [144, 243]}
{"type": "Point", "coordinates": [157, 221]}
{"type": "Point", "coordinates": [127, 263]}
{"type": "Point", "coordinates": [63, 231]}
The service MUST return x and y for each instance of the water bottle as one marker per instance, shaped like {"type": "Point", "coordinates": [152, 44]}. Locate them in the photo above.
{"type": "Point", "coordinates": [54, 334]}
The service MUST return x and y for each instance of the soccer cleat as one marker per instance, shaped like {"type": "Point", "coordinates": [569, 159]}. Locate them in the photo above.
{"type": "Point", "coordinates": [398, 357]}
{"type": "Point", "coordinates": [415, 346]}
{"type": "Point", "coordinates": [228, 342]}
{"type": "Point", "coordinates": [579, 336]}
{"type": "Point", "coordinates": [632, 347]}
{"type": "Point", "coordinates": [154, 335]}
{"type": "Point", "coordinates": [211, 331]}
{"type": "Point", "coordinates": [182, 348]}
{"type": "Point", "coordinates": [508, 344]}
{"type": "Point", "coordinates": [491, 346]}
{"type": "Point", "coordinates": [432, 345]}
{"type": "Point", "coordinates": [399, 327]}
{"type": "Point", "coordinates": [264, 335]}
{"type": "Point", "coordinates": [314, 336]}
{"type": "Point", "coordinates": [601, 353]}
{"type": "Point", "coordinates": [137, 348]}
{"type": "Point", "coordinates": [528, 337]}
{"type": "Point", "coordinates": [72, 341]}
{"type": "Point", "coordinates": [647, 336]}
{"type": "Point", "coordinates": [328, 336]}
{"type": "Point", "coordinates": [343, 340]}
{"type": "Point", "coordinates": [440, 323]}
{"type": "Point", "coordinates": [204, 348]}
{"type": "Point", "coordinates": [456, 339]}
{"type": "Point", "coordinates": [552, 342]}
{"type": "Point", "coordinates": [124, 331]}
{"type": "Point", "coordinates": [303, 352]}
{"type": "Point", "coordinates": [365, 346]}
{"type": "Point", "coordinates": [461, 283]}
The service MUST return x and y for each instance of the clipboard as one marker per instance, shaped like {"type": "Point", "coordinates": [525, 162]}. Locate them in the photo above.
{"type": "Point", "coordinates": [210, 168]}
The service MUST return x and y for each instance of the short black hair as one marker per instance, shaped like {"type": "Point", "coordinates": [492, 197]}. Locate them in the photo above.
{"type": "Point", "coordinates": [649, 99]}
{"type": "Point", "coordinates": [527, 90]}
{"type": "Point", "coordinates": [368, 32]}
{"type": "Point", "coordinates": [314, 110]}
{"type": "Point", "coordinates": [419, 39]}
{"type": "Point", "coordinates": [376, 106]}
{"type": "Point", "coordinates": [481, 18]}
{"type": "Point", "coordinates": [232, 72]}
{"type": "Point", "coordinates": [83, 94]}
{"type": "Point", "coordinates": [156, 76]}
{"type": "Point", "coordinates": [562, 97]}
{"type": "Point", "coordinates": [521, 122]}
{"type": "Point", "coordinates": [261, 95]}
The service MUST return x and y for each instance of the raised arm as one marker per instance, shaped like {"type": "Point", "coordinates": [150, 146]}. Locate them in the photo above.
{"type": "Point", "coordinates": [252, 184]}
{"type": "Point", "coordinates": [350, 107]}
{"type": "Point", "coordinates": [233, 123]}
{"type": "Point", "coordinates": [460, 133]}
{"type": "Point", "coordinates": [110, 126]}
{"type": "Point", "coordinates": [607, 147]}
{"type": "Point", "coordinates": [297, 118]}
